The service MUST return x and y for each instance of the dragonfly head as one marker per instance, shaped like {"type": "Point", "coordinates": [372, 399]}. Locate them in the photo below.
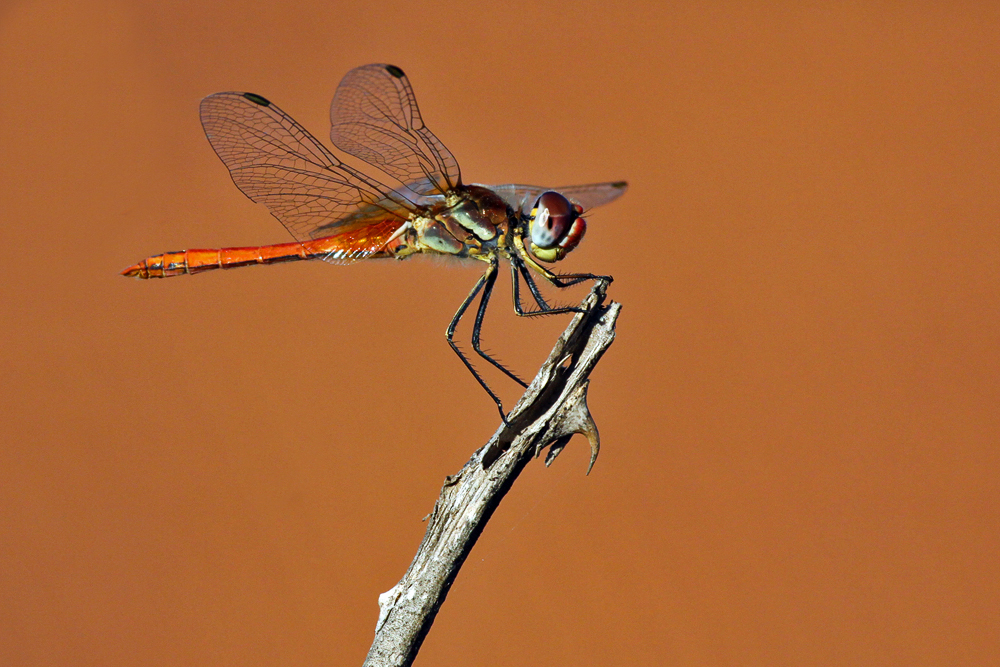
{"type": "Point", "coordinates": [556, 226]}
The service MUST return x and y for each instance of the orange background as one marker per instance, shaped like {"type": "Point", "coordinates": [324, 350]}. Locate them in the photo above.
{"type": "Point", "coordinates": [799, 416]}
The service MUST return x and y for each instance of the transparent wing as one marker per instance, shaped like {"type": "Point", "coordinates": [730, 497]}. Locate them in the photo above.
{"type": "Point", "coordinates": [593, 195]}
{"type": "Point", "coordinates": [274, 161]}
{"type": "Point", "coordinates": [374, 116]}
{"type": "Point", "coordinates": [522, 197]}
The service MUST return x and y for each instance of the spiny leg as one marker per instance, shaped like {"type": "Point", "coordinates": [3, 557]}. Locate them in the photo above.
{"type": "Point", "coordinates": [543, 307]}
{"type": "Point", "coordinates": [569, 279]}
{"type": "Point", "coordinates": [478, 326]}
{"type": "Point", "coordinates": [516, 269]}
{"type": "Point", "coordinates": [487, 278]}
{"type": "Point", "coordinates": [525, 260]}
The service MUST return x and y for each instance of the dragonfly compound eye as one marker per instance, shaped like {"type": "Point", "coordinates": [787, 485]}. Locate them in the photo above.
{"type": "Point", "coordinates": [552, 218]}
{"type": "Point", "coordinates": [556, 227]}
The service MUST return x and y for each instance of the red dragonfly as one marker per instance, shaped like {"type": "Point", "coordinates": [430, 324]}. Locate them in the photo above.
{"type": "Point", "coordinates": [339, 214]}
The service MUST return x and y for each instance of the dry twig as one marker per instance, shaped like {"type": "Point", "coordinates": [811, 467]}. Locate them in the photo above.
{"type": "Point", "coordinates": [553, 408]}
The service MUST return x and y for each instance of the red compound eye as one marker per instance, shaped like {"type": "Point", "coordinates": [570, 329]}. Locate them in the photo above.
{"type": "Point", "coordinates": [553, 218]}
{"type": "Point", "coordinates": [574, 235]}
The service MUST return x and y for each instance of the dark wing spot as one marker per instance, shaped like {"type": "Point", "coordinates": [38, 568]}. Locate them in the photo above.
{"type": "Point", "coordinates": [395, 71]}
{"type": "Point", "coordinates": [257, 99]}
{"type": "Point", "coordinates": [619, 184]}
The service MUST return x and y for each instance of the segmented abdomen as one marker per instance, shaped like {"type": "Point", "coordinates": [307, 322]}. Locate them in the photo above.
{"type": "Point", "coordinates": [331, 248]}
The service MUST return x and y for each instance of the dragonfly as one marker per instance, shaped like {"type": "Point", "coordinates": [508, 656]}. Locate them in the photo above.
{"type": "Point", "coordinates": [339, 214]}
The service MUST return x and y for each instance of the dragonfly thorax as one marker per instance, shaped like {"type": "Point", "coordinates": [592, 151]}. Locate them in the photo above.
{"type": "Point", "coordinates": [471, 222]}
{"type": "Point", "coordinates": [479, 210]}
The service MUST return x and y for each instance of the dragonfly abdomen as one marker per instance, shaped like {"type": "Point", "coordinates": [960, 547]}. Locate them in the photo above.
{"type": "Point", "coordinates": [196, 261]}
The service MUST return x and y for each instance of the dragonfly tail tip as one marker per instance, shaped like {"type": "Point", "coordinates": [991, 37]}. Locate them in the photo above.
{"type": "Point", "coordinates": [136, 271]}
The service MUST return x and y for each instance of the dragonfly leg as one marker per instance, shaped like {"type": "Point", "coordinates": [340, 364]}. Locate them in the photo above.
{"type": "Point", "coordinates": [568, 279]}
{"type": "Point", "coordinates": [478, 326]}
{"type": "Point", "coordinates": [544, 308]}
{"type": "Point", "coordinates": [487, 278]}
{"type": "Point", "coordinates": [515, 275]}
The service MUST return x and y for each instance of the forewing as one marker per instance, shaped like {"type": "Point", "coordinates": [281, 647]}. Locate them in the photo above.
{"type": "Point", "coordinates": [374, 116]}
{"type": "Point", "coordinates": [274, 161]}
{"type": "Point", "coordinates": [522, 197]}
{"type": "Point", "coordinates": [593, 195]}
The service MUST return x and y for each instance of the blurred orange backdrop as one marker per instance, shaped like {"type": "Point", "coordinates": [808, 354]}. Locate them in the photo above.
{"type": "Point", "coordinates": [799, 416]}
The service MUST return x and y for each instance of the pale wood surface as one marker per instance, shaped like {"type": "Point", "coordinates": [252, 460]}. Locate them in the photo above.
{"type": "Point", "coordinates": [553, 408]}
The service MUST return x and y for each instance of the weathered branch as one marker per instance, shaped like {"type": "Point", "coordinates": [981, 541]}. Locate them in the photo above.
{"type": "Point", "coordinates": [553, 408]}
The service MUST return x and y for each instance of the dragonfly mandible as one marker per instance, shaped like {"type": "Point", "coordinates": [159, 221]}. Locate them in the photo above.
{"type": "Point", "coordinates": [339, 214]}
